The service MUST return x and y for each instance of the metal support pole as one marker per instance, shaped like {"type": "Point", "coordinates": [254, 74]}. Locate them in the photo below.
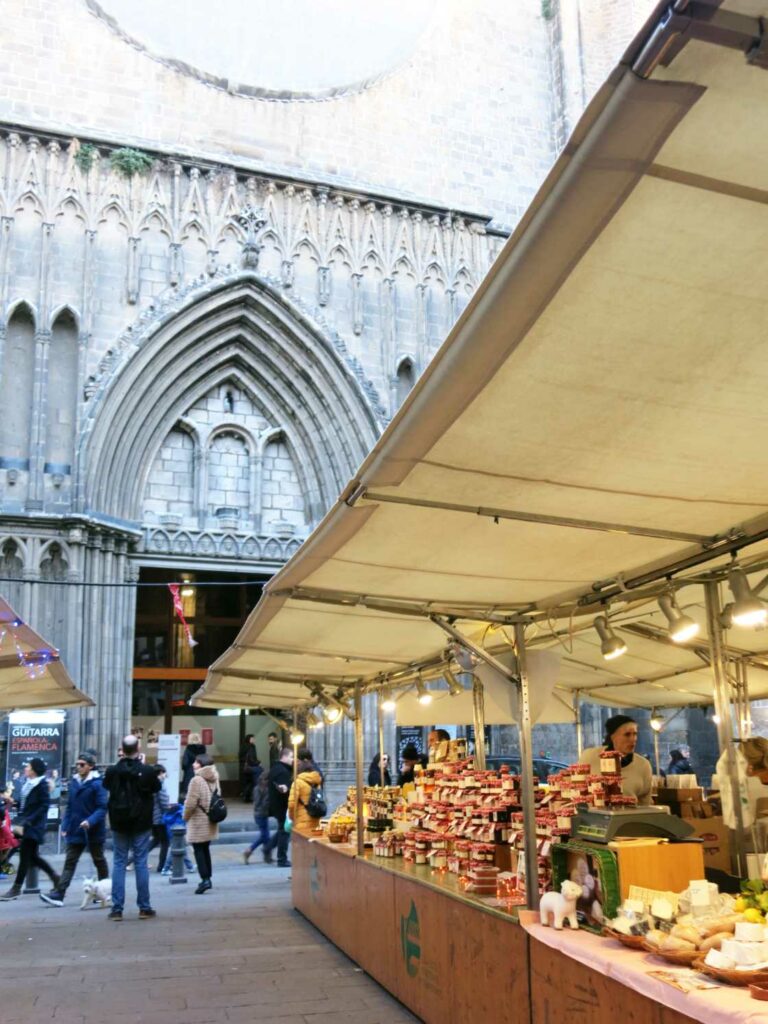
{"type": "Point", "coordinates": [656, 751]}
{"type": "Point", "coordinates": [294, 744]}
{"type": "Point", "coordinates": [724, 725]}
{"type": "Point", "coordinates": [359, 768]}
{"type": "Point", "coordinates": [478, 717]}
{"type": "Point", "coordinates": [526, 770]}
{"type": "Point", "coordinates": [577, 718]}
{"type": "Point", "coordinates": [380, 724]}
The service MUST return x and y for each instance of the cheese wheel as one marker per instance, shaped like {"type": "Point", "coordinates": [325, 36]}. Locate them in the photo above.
{"type": "Point", "coordinates": [713, 941]}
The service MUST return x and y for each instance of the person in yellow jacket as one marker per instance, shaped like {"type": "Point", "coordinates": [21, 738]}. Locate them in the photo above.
{"type": "Point", "coordinates": [307, 776]}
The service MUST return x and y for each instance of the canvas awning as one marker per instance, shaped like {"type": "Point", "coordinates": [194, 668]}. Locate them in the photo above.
{"type": "Point", "coordinates": [31, 672]}
{"type": "Point", "coordinates": [594, 423]}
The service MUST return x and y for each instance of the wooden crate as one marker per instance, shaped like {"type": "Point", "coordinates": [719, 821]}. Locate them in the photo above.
{"type": "Point", "coordinates": [656, 864]}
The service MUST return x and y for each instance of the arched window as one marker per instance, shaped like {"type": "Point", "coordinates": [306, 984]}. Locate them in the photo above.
{"type": "Point", "coordinates": [61, 398]}
{"type": "Point", "coordinates": [12, 566]}
{"type": "Point", "coordinates": [16, 373]}
{"type": "Point", "coordinates": [53, 611]}
{"type": "Point", "coordinates": [406, 378]}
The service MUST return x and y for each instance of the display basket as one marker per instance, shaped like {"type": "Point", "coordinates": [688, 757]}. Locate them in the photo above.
{"type": "Point", "coordinates": [742, 978]}
{"type": "Point", "coordinates": [681, 957]}
{"type": "Point", "coordinates": [630, 941]}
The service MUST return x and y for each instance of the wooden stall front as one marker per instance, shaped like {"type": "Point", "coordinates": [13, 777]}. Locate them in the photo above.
{"type": "Point", "coordinates": [446, 955]}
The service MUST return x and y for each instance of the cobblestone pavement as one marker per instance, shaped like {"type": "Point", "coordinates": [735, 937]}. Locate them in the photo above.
{"type": "Point", "coordinates": [239, 953]}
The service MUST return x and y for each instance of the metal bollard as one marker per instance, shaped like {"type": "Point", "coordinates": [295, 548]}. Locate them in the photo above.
{"type": "Point", "coordinates": [178, 852]}
{"type": "Point", "coordinates": [32, 881]}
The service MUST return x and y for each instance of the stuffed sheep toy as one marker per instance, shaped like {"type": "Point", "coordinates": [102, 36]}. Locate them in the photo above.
{"type": "Point", "coordinates": [560, 906]}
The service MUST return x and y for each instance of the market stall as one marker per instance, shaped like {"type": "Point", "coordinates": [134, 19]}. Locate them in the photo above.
{"type": "Point", "coordinates": [580, 468]}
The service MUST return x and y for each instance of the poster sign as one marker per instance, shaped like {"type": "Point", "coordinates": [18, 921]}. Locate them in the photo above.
{"type": "Point", "coordinates": [35, 734]}
{"type": "Point", "coordinates": [168, 751]}
{"type": "Point", "coordinates": [206, 736]}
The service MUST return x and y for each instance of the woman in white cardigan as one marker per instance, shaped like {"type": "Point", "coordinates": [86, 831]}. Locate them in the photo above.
{"type": "Point", "coordinates": [636, 771]}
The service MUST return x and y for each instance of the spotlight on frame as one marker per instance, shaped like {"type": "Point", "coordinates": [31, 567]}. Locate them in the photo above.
{"type": "Point", "coordinates": [746, 610]}
{"type": "Point", "coordinates": [611, 646]}
{"type": "Point", "coordinates": [422, 693]}
{"type": "Point", "coordinates": [681, 627]}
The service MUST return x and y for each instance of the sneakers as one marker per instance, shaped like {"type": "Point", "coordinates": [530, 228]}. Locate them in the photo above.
{"type": "Point", "coordinates": [115, 915]}
{"type": "Point", "coordinates": [189, 865]}
{"type": "Point", "coordinates": [11, 894]}
{"type": "Point", "coordinates": [165, 871]}
{"type": "Point", "coordinates": [53, 898]}
{"type": "Point", "coordinates": [144, 915]}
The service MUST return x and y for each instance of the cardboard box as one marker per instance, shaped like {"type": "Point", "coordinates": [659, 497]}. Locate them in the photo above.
{"type": "Point", "coordinates": [715, 840]}
{"type": "Point", "coordinates": [665, 795]}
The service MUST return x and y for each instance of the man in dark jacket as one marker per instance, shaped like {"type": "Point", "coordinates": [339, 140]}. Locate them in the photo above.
{"type": "Point", "coordinates": [280, 779]}
{"type": "Point", "coordinates": [30, 824]}
{"type": "Point", "coordinates": [131, 786]}
{"type": "Point", "coordinates": [84, 825]}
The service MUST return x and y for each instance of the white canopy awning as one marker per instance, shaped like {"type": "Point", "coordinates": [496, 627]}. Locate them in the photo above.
{"type": "Point", "coordinates": [595, 421]}
{"type": "Point", "coordinates": [31, 672]}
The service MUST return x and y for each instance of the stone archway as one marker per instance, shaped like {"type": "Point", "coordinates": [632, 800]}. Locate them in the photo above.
{"type": "Point", "coordinates": [242, 332]}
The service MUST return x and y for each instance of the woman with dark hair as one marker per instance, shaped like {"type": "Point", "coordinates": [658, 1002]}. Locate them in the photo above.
{"type": "Point", "coordinates": [678, 764]}
{"type": "Point", "coordinates": [201, 831]}
{"type": "Point", "coordinates": [191, 751]}
{"type": "Point", "coordinates": [636, 771]}
{"type": "Point", "coordinates": [29, 826]}
{"type": "Point", "coordinates": [374, 771]}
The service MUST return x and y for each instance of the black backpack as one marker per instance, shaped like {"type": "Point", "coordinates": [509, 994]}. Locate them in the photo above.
{"type": "Point", "coordinates": [126, 803]}
{"type": "Point", "coordinates": [316, 805]}
{"type": "Point", "coordinates": [217, 809]}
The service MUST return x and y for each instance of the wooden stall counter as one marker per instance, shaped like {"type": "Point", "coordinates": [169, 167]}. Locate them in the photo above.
{"type": "Point", "coordinates": [443, 954]}
{"type": "Point", "coordinates": [451, 957]}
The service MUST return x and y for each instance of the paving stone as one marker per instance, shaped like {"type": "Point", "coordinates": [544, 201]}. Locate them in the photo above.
{"type": "Point", "coordinates": [248, 958]}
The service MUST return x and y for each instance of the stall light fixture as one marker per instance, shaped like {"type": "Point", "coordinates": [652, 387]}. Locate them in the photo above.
{"type": "Point", "coordinates": [297, 737]}
{"type": "Point", "coordinates": [314, 721]}
{"type": "Point", "coordinates": [423, 694]}
{"type": "Point", "coordinates": [332, 709]}
{"type": "Point", "coordinates": [387, 700]}
{"type": "Point", "coordinates": [746, 610]}
{"type": "Point", "coordinates": [611, 646]}
{"type": "Point", "coordinates": [656, 721]}
{"type": "Point", "coordinates": [681, 627]}
{"type": "Point", "coordinates": [454, 685]}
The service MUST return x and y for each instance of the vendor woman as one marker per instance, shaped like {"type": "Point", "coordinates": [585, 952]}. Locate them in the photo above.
{"type": "Point", "coordinates": [636, 772]}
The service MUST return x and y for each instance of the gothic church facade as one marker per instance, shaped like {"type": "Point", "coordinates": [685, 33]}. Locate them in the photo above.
{"type": "Point", "coordinates": [215, 291]}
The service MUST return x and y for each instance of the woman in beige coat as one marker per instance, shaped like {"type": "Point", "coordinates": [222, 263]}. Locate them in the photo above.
{"type": "Point", "coordinates": [200, 829]}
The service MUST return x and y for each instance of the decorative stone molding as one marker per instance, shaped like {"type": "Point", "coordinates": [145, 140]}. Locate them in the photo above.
{"type": "Point", "coordinates": [271, 549]}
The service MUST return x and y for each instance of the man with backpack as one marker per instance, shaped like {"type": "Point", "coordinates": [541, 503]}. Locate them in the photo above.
{"type": "Point", "coordinates": [306, 804]}
{"type": "Point", "coordinates": [131, 785]}
{"type": "Point", "coordinates": [280, 781]}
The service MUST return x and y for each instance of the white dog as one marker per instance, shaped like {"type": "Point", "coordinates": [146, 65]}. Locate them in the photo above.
{"type": "Point", "coordinates": [99, 892]}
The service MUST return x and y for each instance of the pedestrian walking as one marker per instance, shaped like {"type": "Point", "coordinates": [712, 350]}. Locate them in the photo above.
{"type": "Point", "coordinates": [29, 826]}
{"type": "Point", "coordinates": [131, 785]}
{"type": "Point", "coordinates": [261, 817]}
{"type": "Point", "coordinates": [280, 781]}
{"type": "Point", "coordinates": [192, 749]}
{"type": "Point", "coordinates": [201, 831]}
{"type": "Point", "coordinates": [251, 768]}
{"type": "Point", "coordinates": [84, 826]}
{"type": "Point", "coordinates": [160, 804]}
{"type": "Point", "coordinates": [274, 748]}
{"type": "Point", "coordinates": [307, 776]}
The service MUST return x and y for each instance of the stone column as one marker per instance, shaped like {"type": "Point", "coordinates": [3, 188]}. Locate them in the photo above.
{"type": "Point", "coordinates": [256, 469]}
{"type": "Point", "coordinates": [39, 419]}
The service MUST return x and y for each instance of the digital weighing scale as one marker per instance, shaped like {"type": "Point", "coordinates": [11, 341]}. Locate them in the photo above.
{"type": "Point", "coordinates": [598, 826]}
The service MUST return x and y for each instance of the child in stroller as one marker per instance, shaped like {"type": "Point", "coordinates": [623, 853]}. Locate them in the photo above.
{"type": "Point", "coordinates": [8, 841]}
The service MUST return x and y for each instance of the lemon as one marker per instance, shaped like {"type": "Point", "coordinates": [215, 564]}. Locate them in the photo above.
{"type": "Point", "coordinates": [740, 905]}
{"type": "Point", "coordinates": [753, 915]}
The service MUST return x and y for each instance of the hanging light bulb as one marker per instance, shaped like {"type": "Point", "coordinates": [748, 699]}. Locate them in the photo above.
{"type": "Point", "coordinates": [681, 627]}
{"type": "Point", "coordinates": [387, 700]}
{"type": "Point", "coordinates": [423, 694]}
{"type": "Point", "coordinates": [454, 685]}
{"type": "Point", "coordinates": [747, 610]}
{"type": "Point", "coordinates": [611, 646]}
{"type": "Point", "coordinates": [314, 721]}
{"type": "Point", "coordinates": [656, 721]}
